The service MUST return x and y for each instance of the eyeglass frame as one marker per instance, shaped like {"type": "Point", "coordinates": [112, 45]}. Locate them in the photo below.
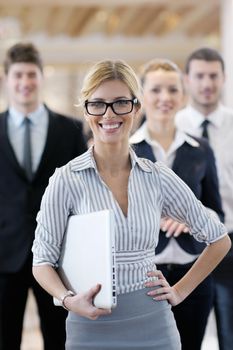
{"type": "Point", "coordinates": [134, 101]}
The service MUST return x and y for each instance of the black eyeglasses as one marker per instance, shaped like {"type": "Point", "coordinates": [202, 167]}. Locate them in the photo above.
{"type": "Point", "coordinates": [119, 107]}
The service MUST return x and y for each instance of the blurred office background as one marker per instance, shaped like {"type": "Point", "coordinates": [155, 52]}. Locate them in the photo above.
{"type": "Point", "coordinates": [72, 34]}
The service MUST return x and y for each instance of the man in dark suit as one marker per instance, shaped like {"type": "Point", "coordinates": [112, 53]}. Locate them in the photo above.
{"type": "Point", "coordinates": [29, 155]}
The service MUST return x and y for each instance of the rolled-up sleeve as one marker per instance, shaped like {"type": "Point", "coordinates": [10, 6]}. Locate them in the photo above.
{"type": "Point", "coordinates": [51, 221]}
{"type": "Point", "coordinates": [181, 204]}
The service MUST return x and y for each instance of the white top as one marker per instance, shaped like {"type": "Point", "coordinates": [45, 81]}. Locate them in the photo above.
{"type": "Point", "coordinates": [220, 132]}
{"type": "Point", "coordinates": [38, 128]}
{"type": "Point", "coordinates": [153, 190]}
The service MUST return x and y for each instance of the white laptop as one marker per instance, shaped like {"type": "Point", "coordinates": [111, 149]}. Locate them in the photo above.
{"type": "Point", "coordinates": [88, 256]}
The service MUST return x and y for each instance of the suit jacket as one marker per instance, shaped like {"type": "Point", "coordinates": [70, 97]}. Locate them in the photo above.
{"type": "Point", "coordinates": [20, 198]}
{"type": "Point", "coordinates": [196, 167]}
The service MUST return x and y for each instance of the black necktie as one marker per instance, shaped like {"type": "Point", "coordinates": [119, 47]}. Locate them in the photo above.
{"type": "Point", "coordinates": [205, 128]}
{"type": "Point", "coordinates": [27, 153]}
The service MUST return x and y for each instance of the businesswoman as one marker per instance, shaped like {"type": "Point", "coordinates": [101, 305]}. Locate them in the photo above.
{"type": "Point", "coordinates": [193, 161]}
{"type": "Point", "coordinates": [110, 175]}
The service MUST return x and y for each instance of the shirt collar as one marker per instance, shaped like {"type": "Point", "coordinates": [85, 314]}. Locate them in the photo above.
{"type": "Point", "coordinates": [215, 118]}
{"type": "Point", "coordinates": [18, 117]}
{"type": "Point", "coordinates": [181, 137]}
{"type": "Point", "coordinates": [142, 135]}
{"type": "Point", "coordinates": [87, 161]}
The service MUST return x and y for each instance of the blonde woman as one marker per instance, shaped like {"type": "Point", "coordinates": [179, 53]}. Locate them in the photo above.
{"type": "Point", "coordinates": [110, 175]}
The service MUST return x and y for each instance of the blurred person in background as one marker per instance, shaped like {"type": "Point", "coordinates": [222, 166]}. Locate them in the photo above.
{"type": "Point", "coordinates": [33, 141]}
{"type": "Point", "coordinates": [193, 161]}
{"type": "Point", "coordinates": [205, 115]}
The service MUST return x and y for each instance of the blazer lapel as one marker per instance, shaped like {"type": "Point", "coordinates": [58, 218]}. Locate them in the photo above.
{"type": "Point", "coordinates": [7, 148]}
{"type": "Point", "coordinates": [144, 150]}
{"type": "Point", "coordinates": [181, 165]}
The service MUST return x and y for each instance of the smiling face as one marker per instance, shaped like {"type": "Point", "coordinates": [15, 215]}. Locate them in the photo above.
{"type": "Point", "coordinates": [23, 83]}
{"type": "Point", "coordinates": [162, 96]}
{"type": "Point", "coordinates": [111, 128]}
{"type": "Point", "coordinates": [205, 83]}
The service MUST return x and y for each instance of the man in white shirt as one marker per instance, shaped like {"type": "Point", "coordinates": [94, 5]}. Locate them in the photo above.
{"type": "Point", "coordinates": [204, 78]}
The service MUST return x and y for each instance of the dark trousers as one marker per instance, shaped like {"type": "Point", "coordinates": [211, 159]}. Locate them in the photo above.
{"type": "Point", "coordinates": [192, 314]}
{"type": "Point", "coordinates": [13, 296]}
{"type": "Point", "coordinates": [223, 301]}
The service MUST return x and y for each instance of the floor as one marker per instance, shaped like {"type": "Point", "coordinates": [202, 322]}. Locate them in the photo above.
{"type": "Point", "coordinates": [210, 340]}
{"type": "Point", "coordinates": [32, 338]}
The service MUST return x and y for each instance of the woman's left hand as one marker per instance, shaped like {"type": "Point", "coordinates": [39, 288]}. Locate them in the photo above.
{"type": "Point", "coordinates": [163, 291]}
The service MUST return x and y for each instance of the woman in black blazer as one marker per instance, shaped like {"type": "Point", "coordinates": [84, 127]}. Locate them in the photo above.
{"type": "Point", "coordinates": [192, 159]}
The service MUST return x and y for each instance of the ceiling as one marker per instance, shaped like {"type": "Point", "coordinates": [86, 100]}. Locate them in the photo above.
{"type": "Point", "coordinates": [71, 34]}
{"type": "Point", "coordinates": [73, 30]}
{"type": "Point", "coordinates": [127, 18]}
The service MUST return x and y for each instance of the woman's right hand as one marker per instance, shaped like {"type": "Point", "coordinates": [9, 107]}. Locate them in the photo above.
{"type": "Point", "coordinates": [82, 304]}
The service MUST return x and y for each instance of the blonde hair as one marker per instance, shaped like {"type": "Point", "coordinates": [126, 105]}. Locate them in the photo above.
{"type": "Point", "coordinates": [110, 70]}
{"type": "Point", "coordinates": [163, 64]}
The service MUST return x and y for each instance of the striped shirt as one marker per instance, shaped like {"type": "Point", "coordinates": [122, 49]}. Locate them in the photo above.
{"type": "Point", "coordinates": [153, 191]}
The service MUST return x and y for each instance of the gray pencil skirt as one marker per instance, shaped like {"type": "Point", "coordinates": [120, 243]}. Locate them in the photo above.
{"type": "Point", "coordinates": [137, 323]}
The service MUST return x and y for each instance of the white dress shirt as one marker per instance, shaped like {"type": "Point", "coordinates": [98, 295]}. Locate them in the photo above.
{"type": "Point", "coordinates": [220, 132]}
{"type": "Point", "coordinates": [38, 128]}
